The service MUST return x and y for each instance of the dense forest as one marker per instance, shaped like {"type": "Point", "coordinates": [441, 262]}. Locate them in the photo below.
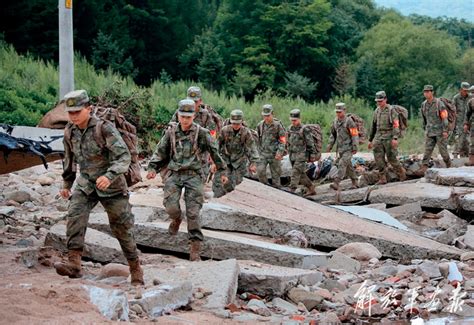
{"type": "Point", "coordinates": [310, 50]}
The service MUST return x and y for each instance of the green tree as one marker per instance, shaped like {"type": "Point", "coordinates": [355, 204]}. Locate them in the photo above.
{"type": "Point", "coordinates": [406, 56]}
{"type": "Point", "coordinates": [298, 86]}
{"type": "Point", "coordinates": [344, 81]}
{"type": "Point", "coordinates": [244, 82]}
{"type": "Point", "coordinates": [106, 53]}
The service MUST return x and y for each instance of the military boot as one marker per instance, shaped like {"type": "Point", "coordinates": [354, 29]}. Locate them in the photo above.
{"type": "Point", "coordinates": [311, 191]}
{"type": "Point", "coordinates": [194, 251]}
{"type": "Point", "coordinates": [402, 174]}
{"type": "Point", "coordinates": [71, 268]}
{"type": "Point", "coordinates": [421, 172]}
{"type": "Point", "coordinates": [354, 184]}
{"type": "Point", "coordinates": [174, 226]}
{"type": "Point", "coordinates": [335, 185]}
{"type": "Point", "coordinates": [136, 272]}
{"type": "Point", "coordinates": [471, 161]}
{"type": "Point", "coordinates": [382, 179]}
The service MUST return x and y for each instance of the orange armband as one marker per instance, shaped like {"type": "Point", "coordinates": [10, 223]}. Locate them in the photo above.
{"type": "Point", "coordinates": [396, 124]}
{"type": "Point", "coordinates": [443, 114]}
{"type": "Point", "coordinates": [354, 132]}
{"type": "Point", "coordinates": [282, 139]}
{"type": "Point", "coordinates": [213, 133]}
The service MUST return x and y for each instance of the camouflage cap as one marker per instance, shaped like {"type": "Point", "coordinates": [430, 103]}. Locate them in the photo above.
{"type": "Point", "coordinates": [186, 107]}
{"type": "Point", "coordinates": [76, 100]}
{"type": "Point", "coordinates": [236, 116]}
{"type": "Point", "coordinates": [295, 114]}
{"type": "Point", "coordinates": [194, 93]}
{"type": "Point", "coordinates": [267, 109]}
{"type": "Point", "coordinates": [380, 95]}
{"type": "Point", "coordinates": [428, 88]}
{"type": "Point", "coordinates": [471, 89]}
{"type": "Point", "coordinates": [340, 107]}
{"type": "Point", "coordinates": [465, 85]}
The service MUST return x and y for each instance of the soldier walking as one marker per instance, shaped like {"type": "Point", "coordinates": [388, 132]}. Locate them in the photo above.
{"type": "Point", "coordinates": [345, 135]}
{"type": "Point", "coordinates": [461, 141]}
{"type": "Point", "coordinates": [468, 128]}
{"type": "Point", "coordinates": [435, 124]}
{"type": "Point", "coordinates": [271, 146]}
{"type": "Point", "coordinates": [384, 138]}
{"type": "Point", "coordinates": [180, 149]}
{"type": "Point", "coordinates": [101, 179]}
{"type": "Point", "coordinates": [239, 152]}
{"type": "Point", "coordinates": [302, 149]}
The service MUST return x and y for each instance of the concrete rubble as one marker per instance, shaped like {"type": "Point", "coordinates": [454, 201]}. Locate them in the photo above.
{"type": "Point", "coordinates": [255, 272]}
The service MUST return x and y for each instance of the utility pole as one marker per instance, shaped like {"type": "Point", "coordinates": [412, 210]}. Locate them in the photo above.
{"type": "Point", "coordinates": [66, 49]}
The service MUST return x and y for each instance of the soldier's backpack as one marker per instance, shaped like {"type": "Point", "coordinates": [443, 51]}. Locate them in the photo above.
{"type": "Point", "coordinates": [126, 129]}
{"type": "Point", "coordinates": [450, 108]}
{"type": "Point", "coordinates": [402, 118]}
{"type": "Point", "coordinates": [317, 134]}
{"type": "Point", "coordinates": [214, 117]}
{"type": "Point", "coordinates": [359, 122]}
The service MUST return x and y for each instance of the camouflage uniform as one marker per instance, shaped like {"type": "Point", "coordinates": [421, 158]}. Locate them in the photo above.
{"type": "Point", "coordinates": [111, 162]}
{"type": "Point", "coordinates": [301, 148]}
{"type": "Point", "coordinates": [460, 137]}
{"type": "Point", "coordinates": [237, 148]}
{"type": "Point", "coordinates": [469, 121]}
{"type": "Point", "coordinates": [185, 166]}
{"type": "Point", "coordinates": [435, 122]}
{"type": "Point", "coordinates": [344, 134]}
{"type": "Point", "coordinates": [385, 128]}
{"type": "Point", "coordinates": [271, 141]}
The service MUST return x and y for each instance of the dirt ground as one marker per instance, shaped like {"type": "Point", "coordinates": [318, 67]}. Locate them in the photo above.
{"type": "Point", "coordinates": [38, 295]}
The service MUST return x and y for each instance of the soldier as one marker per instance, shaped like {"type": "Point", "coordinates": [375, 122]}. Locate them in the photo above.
{"type": "Point", "coordinates": [344, 133]}
{"type": "Point", "coordinates": [468, 127]}
{"type": "Point", "coordinates": [101, 179]}
{"type": "Point", "coordinates": [460, 137]}
{"type": "Point", "coordinates": [435, 124]}
{"type": "Point", "coordinates": [271, 145]}
{"type": "Point", "coordinates": [301, 148]}
{"type": "Point", "coordinates": [237, 148]}
{"type": "Point", "coordinates": [180, 148]}
{"type": "Point", "coordinates": [471, 91]}
{"type": "Point", "coordinates": [203, 118]}
{"type": "Point", "coordinates": [384, 134]}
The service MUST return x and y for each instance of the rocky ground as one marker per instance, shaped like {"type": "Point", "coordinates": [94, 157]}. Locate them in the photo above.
{"type": "Point", "coordinates": [256, 276]}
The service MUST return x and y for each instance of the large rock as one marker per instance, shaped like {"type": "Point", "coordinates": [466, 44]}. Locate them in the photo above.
{"type": "Point", "coordinates": [98, 246]}
{"type": "Point", "coordinates": [112, 304]}
{"type": "Point", "coordinates": [429, 269]}
{"type": "Point", "coordinates": [275, 281]}
{"type": "Point", "coordinates": [340, 261]}
{"type": "Point", "coordinates": [310, 299]}
{"type": "Point", "coordinates": [18, 196]}
{"type": "Point", "coordinates": [406, 211]}
{"type": "Point", "coordinates": [220, 278]}
{"type": "Point", "coordinates": [468, 237]}
{"type": "Point", "coordinates": [164, 298]}
{"type": "Point", "coordinates": [219, 245]}
{"type": "Point", "coordinates": [462, 176]}
{"type": "Point", "coordinates": [114, 269]}
{"type": "Point", "coordinates": [360, 251]}
{"type": "Point", "coordinates": [285, 306]}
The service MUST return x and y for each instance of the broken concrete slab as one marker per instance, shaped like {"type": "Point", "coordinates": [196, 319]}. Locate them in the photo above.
{"type": "Point", "coordinates": [310, 299]}
{"type": "Point", "coordinates": [360, 251]}
{"type": "Point", "coordinates": [274, 281]}
{"type": "Point", "coordinates": [164, 298]}
{"type": "Point", "coordinates": [448, 219]}
{"type": "Point", "coordinates": [372, 214]}
{"type": "Point", "coordinates": [348, 196]}
{"type": "Point", "coordinates": [221, 245]}
{"type": "Point", "coordinates": [259, 209]}
{"type": "Point", "coordinates": [98, 246]}
{"type": "Point", "coordinates": [462, 176]}
{"type": "Point", "coordinates": [112, 304]}
{"type": "Point", "coordinates": [406, 210]}
{"type": "Point", "coordinates": [220, 278]}
{"type": "Point", "coordinates": [429, 195]}
{"type": "Point", "coordinates": [141, 214]}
